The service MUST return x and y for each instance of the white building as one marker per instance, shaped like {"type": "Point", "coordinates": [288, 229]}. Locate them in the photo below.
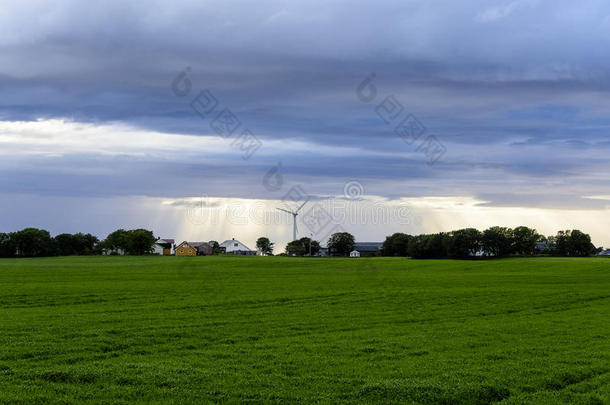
{"type": "Point", "coordinates": [235, 247]}
{"type": "Point", "coordinates": [163, 247]}
{"type": "Point", "coordinates": [354, 253]}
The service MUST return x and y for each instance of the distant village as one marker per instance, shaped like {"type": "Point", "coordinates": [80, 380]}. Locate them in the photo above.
{"type": "Point", "coordinates": [168, 247]}
{"type": "Point", "coordinates": [458, 244]}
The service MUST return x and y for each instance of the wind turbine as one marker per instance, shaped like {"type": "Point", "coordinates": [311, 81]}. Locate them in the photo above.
{"type": "Point", "coordinates": [294, 219]}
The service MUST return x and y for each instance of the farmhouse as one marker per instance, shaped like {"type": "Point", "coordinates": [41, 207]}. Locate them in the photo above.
{"type": "Point", "coordinates": [185, 249]}
{"type": "Point", "coordinates": [163, 247]}
{"type": "Point", "coordinates": [235, 247]}
{"type": "Point", "coordinates": [194, 249]}
{"type": "Point", "coordinates": [354, 253]}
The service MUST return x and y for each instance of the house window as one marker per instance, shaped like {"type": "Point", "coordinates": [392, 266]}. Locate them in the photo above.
{"type": "Point", "coordinates": [235, 244]}
{"type": "Point", "coordinates": [181, 250]}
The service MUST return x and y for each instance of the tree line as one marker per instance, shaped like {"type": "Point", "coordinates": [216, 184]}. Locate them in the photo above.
{"type": "Point", "coordinates": [340, 244]}
{"type": "Point", "coordinates": [465, 243]}
{"type": "Point", "coordinates": [33, 242]}
{"type": "Point", "coordinates": [459, 244]}
{"type": "Point", "coordinates": [496, 241]}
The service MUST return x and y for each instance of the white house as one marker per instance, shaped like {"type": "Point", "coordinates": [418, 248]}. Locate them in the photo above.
{"type": "Point", "coordinates": [354, 253]}
{"type": "Point", "coordinates": [157, 249]}
{"type": "Point", "coordinates": [605, 252]}
{"type": "Point", "coordinates": [235, 247]}
{"type": "Point", "coordinates": [163, 247]}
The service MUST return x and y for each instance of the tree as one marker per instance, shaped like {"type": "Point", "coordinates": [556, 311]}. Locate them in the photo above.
{"type": "Point", "coordinates": [341, 243]}
{"type": "Point", "coordinates": [428, 246]}
{"type": "Point", "coordinates": [525, 239]}
{"type": "Point", "coordinates": [497, 241]}
{"type": "Point", "coordinates": [396, 244]}
{"type": "Point", "coordinates": [573, 243]}
{"type": "Point", "coordinates": [417, 247]}
{"type": "Point", "coordinates": [463, 243]}
{"type": "Point", "coordinates": [562, 242]}
{"type": "Point", "coordinates": [580, 244]}
{"type": "Point", "coordinates": [140, 241]}
{"type": "Point", "coordinates": [32, 242]}
{"type": "Point", "coordinates": [435, 245]}
{"type": "Point", "coordinates": [302, 247]}
{"type": "Point", "coordinates": [265, 246]}
{"type": "Point", "coordinates": [133, 242]}
{"type": "Point", "coordinates": [77, 244]}
{"type": "Point", "coordinates": [215, 247]}
{"type": "Point", "coordinates": [87, 244]}
{"type": "Point", "coordinates": [117, 240]}
{"type": "Point", "coordinates": [66, 244]}
{"type": "Point", "coordinates": [312, 247]}
{"type": "Point", "coordinates": [295, 248]}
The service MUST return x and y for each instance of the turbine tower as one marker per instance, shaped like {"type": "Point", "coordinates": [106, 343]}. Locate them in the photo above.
{"type": "Point", "coordinates": [294, 219]}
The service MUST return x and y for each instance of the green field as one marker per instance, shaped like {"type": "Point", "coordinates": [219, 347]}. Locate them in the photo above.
{"type": "Point", "coordinates": [271, 330]}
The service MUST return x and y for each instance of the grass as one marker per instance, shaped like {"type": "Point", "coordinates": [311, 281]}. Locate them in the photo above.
{"type": "Point", "coordinates": [271, 330]}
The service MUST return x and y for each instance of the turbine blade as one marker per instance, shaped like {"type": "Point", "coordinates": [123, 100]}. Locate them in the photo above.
{"type": "Point", "coordinates": [299, 209]}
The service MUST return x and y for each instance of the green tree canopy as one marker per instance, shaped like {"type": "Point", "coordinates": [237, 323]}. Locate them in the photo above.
{"type": "Point", "coordinates": [117, 240]}
{"type": "Point", "coordinates": [303, 246]}
{"type": "Point", "coordinates": [140, 241]}
{"type": "Point", "coordinates": [396, 245]}
{"type": "Point", "coordinates": [497, 241]}
{"type": "Point", "coordinates": [428, 246]}
{"type": "Point", "coordinates": [33, 242]}
{"type": "Point", "coordinates": [525, 239]}
{"type": "Point", "coordinates": [572, 243]}
{"type": "Point", "coordinates": [133, 242]}
{"type": "Point", "coordinates": [77, 244]}
{"type": "Point", "coordinates": [463, 243]}
{"type": "Point", "coordinates": [265, 246]}
{"type": "Point", "coordinates": [580, 244]}
{"type": "Point", "coordinates": [341, 243]}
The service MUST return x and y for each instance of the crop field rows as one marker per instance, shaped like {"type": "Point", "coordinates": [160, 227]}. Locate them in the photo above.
{"type": "Point", "coordinates": [290, 330]}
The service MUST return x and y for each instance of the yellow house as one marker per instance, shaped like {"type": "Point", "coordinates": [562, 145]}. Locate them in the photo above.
{"type": "Point", "coordinates": [184, 249]}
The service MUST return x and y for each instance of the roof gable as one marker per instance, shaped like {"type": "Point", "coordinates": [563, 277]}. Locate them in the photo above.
{"type": "Point", "coordinates": [200, 245]}
{"type": "Point", "coordinates": [184, 244]}
{"type": "Point", "coordinates": [229, 243]}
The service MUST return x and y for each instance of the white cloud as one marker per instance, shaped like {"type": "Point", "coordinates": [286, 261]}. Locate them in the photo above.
{"type": "Point", "coordinates": [60, 137]}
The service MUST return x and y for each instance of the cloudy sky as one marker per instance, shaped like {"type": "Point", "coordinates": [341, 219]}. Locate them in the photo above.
{"type": "Point", "coordinates": [198, 118]}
